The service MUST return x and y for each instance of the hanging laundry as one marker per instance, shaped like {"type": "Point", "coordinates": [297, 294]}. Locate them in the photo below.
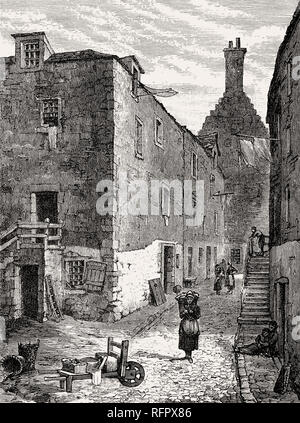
{"type": "Point", "coordinates": [254, 151]}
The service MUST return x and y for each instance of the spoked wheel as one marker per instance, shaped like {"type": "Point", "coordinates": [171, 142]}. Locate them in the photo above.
{"type": "Point", "coordinates": [134, 375]}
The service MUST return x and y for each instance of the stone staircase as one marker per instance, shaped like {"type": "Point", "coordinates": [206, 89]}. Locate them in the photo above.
{"type": "Point", "coordinates": [255, 307]}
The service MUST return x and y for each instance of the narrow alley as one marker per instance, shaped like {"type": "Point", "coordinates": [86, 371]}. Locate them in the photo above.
{"type": "Point", "coordinates": [211, 378]}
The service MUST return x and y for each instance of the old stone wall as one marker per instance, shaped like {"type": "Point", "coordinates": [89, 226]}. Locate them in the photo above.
{"type": "Point", "coordinates": [84, 144]}
{"type": "Point", "coordinates": [80, 157]}
{"type": "Point", "coordinates": [138, 239]}
{"type": "Point", "coordinates": [85, 305]}
{"type": "Point", "coordinates": [157, 162]}
{"type": "Point", "coordinates": [209, 233]}
{"type": "Point", "coordinates": [284, 120]}
{"type": "Point", "coordinates": [249, 204]}
{"type": "Point", "coordinates": [285, 264]}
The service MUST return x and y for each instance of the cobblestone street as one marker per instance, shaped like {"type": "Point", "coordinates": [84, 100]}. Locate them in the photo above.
{"type": "Point", "coordinates": [211, 378]}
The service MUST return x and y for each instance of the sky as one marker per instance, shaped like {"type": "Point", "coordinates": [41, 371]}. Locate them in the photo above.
{"type": "Point", "coordinates": [178, 43]}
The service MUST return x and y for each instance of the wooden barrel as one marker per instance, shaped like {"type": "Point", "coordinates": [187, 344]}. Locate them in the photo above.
{"type": "Point", "coordinates": [13, 365]}
{"type": "Point", "coordinates": [29, 352]}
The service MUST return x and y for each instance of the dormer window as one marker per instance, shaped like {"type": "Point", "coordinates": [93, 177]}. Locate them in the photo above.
{"type": "Point", "coordinates": [50, 112]}
{"type": "Point", "coordinates": [31, 51]}
{"type": "Point", "coordinates": [31, 54]}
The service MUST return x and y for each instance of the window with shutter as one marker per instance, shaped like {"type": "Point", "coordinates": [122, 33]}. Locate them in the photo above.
{"type": "Point", "coordinates": [94, 276]}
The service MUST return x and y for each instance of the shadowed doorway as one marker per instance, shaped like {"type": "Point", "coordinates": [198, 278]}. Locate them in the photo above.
{"type": "Point", "coordinates": [29, 284]}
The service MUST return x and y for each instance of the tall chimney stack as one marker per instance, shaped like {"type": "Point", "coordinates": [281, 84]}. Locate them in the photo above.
{"type": "Point", "coordinates": [234, 64]}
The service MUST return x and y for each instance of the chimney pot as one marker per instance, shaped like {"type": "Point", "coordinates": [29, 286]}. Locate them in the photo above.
{"type": "Point", "coordinates": [234, 62]}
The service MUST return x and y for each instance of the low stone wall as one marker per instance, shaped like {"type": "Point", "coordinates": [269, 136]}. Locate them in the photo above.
{"type": "Point", "coordinates": [284, 262]}
{"type": "Point", "coordinates": [87, 306]}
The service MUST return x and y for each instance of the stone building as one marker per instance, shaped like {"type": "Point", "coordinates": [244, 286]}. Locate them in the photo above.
{"type": "Point", "coordinates": [234, 119]}
{"type": "Point", "coordinates": [284, 120]}
{"type": "Point", "coordinates": [75, 126]}
{"type": "Point", "coordinates": [204, 243]}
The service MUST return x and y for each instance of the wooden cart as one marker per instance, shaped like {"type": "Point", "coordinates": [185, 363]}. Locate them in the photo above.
{"type": "Point", "coordinates": [129, 373]}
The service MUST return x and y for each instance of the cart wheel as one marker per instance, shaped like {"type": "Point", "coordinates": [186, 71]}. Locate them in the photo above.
{"type": "Point", "coordinates": [138, 375]}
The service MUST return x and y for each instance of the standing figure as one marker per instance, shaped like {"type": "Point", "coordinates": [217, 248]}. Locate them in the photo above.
{"type": "Point", "coordinates": [189, 331]}
{"type": "Point", "coordinates": [223, 264]}
{"type": "Point", "coordinates": [219, 276]}
{"type": "Point", "coordinates": [229, 278]}
{"type": "Point", "coordinates": [257, 242]}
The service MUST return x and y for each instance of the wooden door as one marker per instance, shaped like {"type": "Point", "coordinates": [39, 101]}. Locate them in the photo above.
{"type": "Point", "coordinates": [283, 318]}
{"type": "Point", "coordinates": [29, 284]}
{"type": "Point", "coordinates": [169, 269]}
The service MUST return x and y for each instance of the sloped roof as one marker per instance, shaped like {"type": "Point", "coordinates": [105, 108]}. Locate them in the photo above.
{"type": "Point", "coordinates": [78, 55]}
{"type": "Point", "coordinates": [229, 108]}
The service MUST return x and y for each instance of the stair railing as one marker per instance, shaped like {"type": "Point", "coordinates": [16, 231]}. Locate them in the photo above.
{"type": "Point", "coordinates": [43, 234]}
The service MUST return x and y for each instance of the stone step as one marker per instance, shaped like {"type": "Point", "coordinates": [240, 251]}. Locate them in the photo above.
{"type": "Point", "coordinates": [260, 260]}
{"type": "Point", "coordinates": [258, 285]}
{"type": "Point", "coordinates": [254, 321]}
{"type": "Point", "coordinates": [255, 314]}
{"type": "Point", "coordinates": [253, 307]}
{"type": "Point", "coordinates": [258, 296]}
{"type": "Point", "coordinates": [263, 276]}
{"type": "Point", "coordinates": [262, 280]}
{"type": "Point", "coordinates": [253, 302]}
{"type": "Point", "coordinates": [252, 286]}
{"type": "Point", "coordinates": [258, 269]}
{"type": "Point", "coordinates": [263, 265]}
{"type": "Point", "coordinates": [258, 275]}
{"type": "Point", "coordinates": [260, 291]}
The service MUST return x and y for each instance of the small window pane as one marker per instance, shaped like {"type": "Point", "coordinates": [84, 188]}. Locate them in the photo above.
{"type": "Point", "coordinates": [75, 271]}
{"type": "Point", "coordinates": [50, 112]}
{"type": "Point", "coordinates": [32, 52]}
